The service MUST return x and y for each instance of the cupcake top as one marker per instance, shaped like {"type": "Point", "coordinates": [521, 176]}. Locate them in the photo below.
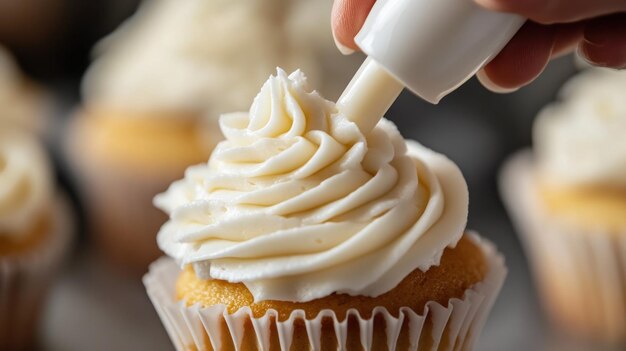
{"type": "Point", "coordinates": [298, 204]}
{"type": "Point", "coordinates": [579, 141]}
{"type": "Point", "coordinates": [20, 101]}
{"type": "Point", "coordinates": [25, 183]}
{"type": "Point", "coordinates": [192, 56]}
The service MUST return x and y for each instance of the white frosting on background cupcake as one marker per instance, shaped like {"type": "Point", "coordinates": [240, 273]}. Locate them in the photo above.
{"type": "Point", "coordinates": [297, 203]}
{"type": "Point", "coordinates": [196, 55]}
{"type": "Point", "coordinates": [20, 105]}
{"type": "Point", "coordinates": [26, 186]}
{"type": "Point", "coordinates": [581, 140]}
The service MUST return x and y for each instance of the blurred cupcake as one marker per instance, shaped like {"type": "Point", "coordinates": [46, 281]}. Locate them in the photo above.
{"type": "Point", "coordinates": [202, 56]}
{"type": "Point", "coordinates": [152, 98]}
{"type": "Point", "coordinates": [569, 203]}
{"type": "Point", "coordinates": [301, 232]}
{"type": "Point", "coordinates": [34, 236]}
{"type": "Point", "coordinates": [22, 102]}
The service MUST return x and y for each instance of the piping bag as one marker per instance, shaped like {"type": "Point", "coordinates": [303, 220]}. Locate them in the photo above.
{"type": "Point", "coordinates": [430, 47]}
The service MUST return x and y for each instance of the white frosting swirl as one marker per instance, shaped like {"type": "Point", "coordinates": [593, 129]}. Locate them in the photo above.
{"type": "Point", "coordinates": [207, 56]}
{"type": "Point", "coordinates": [297, 204]}
{"type": "Point", "coordinates": [25, 183]}
{"type": "Point", "coordinates": [580, 140]}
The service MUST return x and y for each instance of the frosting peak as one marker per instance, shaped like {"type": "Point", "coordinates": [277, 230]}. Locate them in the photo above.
{"type": "Point", "coordinates": [284, 109]}
{"type": "Point", "coordinates": [297, 203]}
{"type": "Point", "coordinates": [25, 182]}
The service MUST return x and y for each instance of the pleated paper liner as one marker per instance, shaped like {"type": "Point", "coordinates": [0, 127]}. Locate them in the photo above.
{"type": "Point", "coordinates": [121, 217]}
{"type": "Point", "coordinates": [26, 278]}
{"type": "Point", "coordinates": [452, 327]}
{"type": "Point", "coordinates": [581, 275]}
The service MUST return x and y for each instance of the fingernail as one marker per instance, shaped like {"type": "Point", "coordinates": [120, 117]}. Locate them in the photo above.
{"type": "Point", "coordinates": [582, 53]}
{"type": "Point", "coordinates": [591, 38]}
{"type": "Point", "coordinates": [491, 86]}
{"type": "Point", "coordinates": [491, 4]}
{"type": "Point", "coordinates": [487, 3]}
{"type": "Point", "coordinates": [344, 50]}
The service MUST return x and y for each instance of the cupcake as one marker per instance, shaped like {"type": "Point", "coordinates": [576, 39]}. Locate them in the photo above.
{"type": "Point", "coordinates": [34, 236]}
{"type": "Point", "coordinates": [23, 103]}
{"type": "Point", "coordinates": [152, 98]}
{"type": "Point", "coordinates": [568, 200]}
{"type": "Point", "coordinates": [301, 232]}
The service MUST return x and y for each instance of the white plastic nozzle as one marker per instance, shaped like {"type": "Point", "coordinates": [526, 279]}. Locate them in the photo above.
{"type": "Point", "coordinates": [369, 95]}
{"type": "Point", "coordinates": [434, 46]}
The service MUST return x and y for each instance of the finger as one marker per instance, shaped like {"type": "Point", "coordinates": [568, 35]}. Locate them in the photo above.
{"type": "Point", "coordinates": [604, 42]}
{"type": "Point", "coordinates": [347, 18]}
{"type": "Point", "coordinates": [522, 60]}
{"type": "Point", "coordinates": [556, 11]}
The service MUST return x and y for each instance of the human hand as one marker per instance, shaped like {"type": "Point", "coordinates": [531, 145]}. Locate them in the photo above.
{"type": "Point", "coordinates": [596, 28]}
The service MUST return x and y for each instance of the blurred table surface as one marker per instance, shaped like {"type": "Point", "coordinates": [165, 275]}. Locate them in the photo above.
{"type": "Point", "coordinates": [93, 307]}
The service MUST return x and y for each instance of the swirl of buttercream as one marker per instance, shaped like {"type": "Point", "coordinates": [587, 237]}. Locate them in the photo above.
{"type": "Point", "coordinates": [297, 203]}
{"type": "Point", "coordinates": [25, 183]}
{"type": "Point", "coordinates": [579, 141]}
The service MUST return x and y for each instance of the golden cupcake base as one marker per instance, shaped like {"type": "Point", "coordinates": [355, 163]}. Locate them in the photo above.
{"type": "Point", "coordinates": [452, 324]}
{"type": "Point", "coordinates": [460, 269]}
{"type": "Point", "coordinates": [28, 241]}
{"type": "Point", "coordinates": [588, 207]}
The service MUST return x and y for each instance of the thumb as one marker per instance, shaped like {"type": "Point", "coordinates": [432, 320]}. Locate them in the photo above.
{"type": "Point", "coordinates": [347, 18]}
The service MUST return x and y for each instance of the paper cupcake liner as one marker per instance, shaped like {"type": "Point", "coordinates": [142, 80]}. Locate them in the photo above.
{"type": "Point", "coordinates": [25, 279]}
{"type": "Point", "coordinates": [120, 214]}
{"type": "Point", "coordinates": [581, 275]}
{"type": "Point", "coordinates": [452, 327]}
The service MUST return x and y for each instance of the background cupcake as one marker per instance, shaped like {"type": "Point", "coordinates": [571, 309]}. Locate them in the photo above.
{"type": "Point", "coordinates": [182, 56]}
{"type": "Point", "coordinates": [34, 235]}
{"type": "Point", "coordinates": [152, 98]}
{"type": "Point", "coordinates": [568, 200]}
{"type": "Point", "coordinates": [301, 232]}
